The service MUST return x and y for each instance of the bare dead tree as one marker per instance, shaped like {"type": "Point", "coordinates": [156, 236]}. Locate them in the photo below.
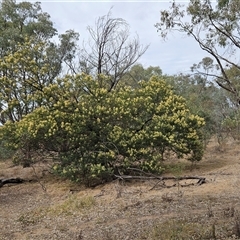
{"type": "Point", "coordinates": [110, 50]}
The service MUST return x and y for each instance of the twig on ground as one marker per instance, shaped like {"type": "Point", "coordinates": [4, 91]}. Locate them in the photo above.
{"type": "Point", "coordinates": [38, 180]}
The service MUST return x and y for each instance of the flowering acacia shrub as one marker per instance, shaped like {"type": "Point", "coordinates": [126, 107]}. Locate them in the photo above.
{"type": "Point", "coordinates": [23, 75]}
{"type": "Point", "coordinates": [98, 133]}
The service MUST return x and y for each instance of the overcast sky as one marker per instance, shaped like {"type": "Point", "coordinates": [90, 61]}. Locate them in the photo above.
{"type": "Point", "coordinates": [173, 56]}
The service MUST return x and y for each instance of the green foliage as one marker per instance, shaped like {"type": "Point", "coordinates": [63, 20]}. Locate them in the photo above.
{"type": "Point", "coordinates": [98, 133]}
{"type": "Point", "coordinates": [24, 73]}
{"type": "Point", "coordinates": [5, 153]}
{"type": "Point", "coordinates": [29, 60]}
{"type": "Point", "coordinates": [138, 73]}
{"type": "Point", "coordinates": [222, 3]}
{"type": "Point", "coordinates": [204, 99]}
{"type": "Point", "coordinates": [232, 124]}
{"type": "Point", "coordinates": [215, 28]}
{"type": "Point", "coordinates": [233, 74]}
{"type": "Point", "coordinates": [20, 20]}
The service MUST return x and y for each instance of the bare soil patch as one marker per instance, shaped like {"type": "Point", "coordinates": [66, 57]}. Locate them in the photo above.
{"type": "Point", "coordinates": [126, 210]}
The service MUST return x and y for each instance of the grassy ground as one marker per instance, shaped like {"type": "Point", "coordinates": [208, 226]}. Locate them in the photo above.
{"type": "Point", "coordinates": [50, 208]}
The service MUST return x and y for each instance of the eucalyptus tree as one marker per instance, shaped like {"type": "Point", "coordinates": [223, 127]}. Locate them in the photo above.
{"type": "Point", "coordinates": [21, 20]}
{"type": "Point", "coordinates": [29, 59]}
{"type": "Point", "coordinates": [216, 29]}
{"type": "Point", "coordinates": [138, 73]}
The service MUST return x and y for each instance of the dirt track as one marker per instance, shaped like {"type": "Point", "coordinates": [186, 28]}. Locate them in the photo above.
{"type": "Point", "coordinates": [126, 211]}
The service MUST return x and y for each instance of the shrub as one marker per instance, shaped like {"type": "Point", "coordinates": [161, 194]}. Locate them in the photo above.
{"type": "Point", "coordinates": [98, 133]}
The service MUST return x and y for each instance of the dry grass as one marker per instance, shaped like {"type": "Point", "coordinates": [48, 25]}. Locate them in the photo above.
{"type": "Point", "coordinates": [127, 210]}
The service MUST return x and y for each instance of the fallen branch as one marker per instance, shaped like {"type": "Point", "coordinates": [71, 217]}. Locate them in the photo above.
{"type": "Point", "coordinates": [11, 180]}
{"type": "Point", "coordinates": [201, 180]}
{"type": "Point", "coordinates": [122, 177]}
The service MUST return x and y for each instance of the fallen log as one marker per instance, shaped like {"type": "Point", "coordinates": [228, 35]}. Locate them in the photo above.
{"type": "Point", "coordinates": [122, 177]}
{"type": "Point", "coordinates": [11, 180]}
{"type": "Point", "coordinates": [201, 180]}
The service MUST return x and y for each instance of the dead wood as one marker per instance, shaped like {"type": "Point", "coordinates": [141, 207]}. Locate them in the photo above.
{"type": "Point", "coordinates": [149, 176]}
{"type": "Point", "coordinates": [201, 180]}
{"type": "Point", "coordinates": [11, 180]}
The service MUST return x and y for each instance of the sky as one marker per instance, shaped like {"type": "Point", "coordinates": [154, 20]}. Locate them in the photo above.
{"type": "Point", "coordinates": [174, 55]}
